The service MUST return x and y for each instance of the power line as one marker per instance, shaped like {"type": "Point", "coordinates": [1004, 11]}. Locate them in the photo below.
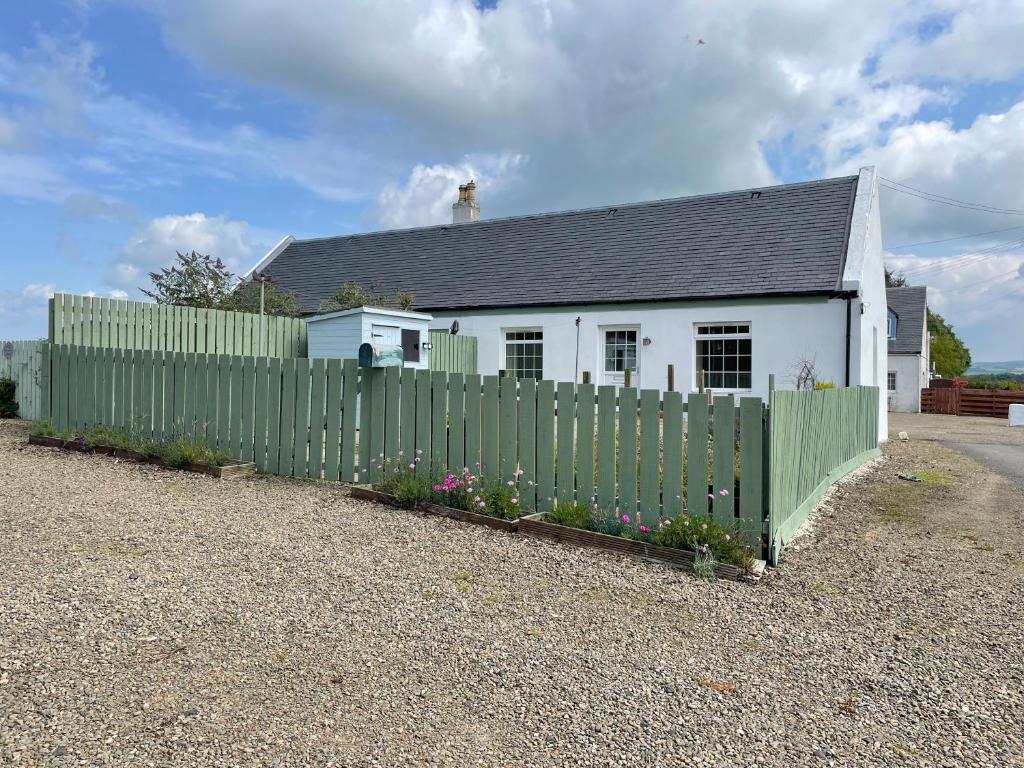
{"type": "Point", "coordinates": [950, 239]}
{"type": "Point", "coordinates": [906, 189]}
{"type": "Point", "coordinates": [963, 259]}
{"type": "Point", "coordinates": [1014, 271]}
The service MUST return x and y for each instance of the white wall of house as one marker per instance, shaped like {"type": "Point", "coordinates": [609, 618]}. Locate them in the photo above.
{"type": "Point", "coordinates": [865, 273]}
{"type": "Point", "coordinates": [339, 334]}
{"type": "Point", "coordinates": [911, 373]}
{"type": "Point", "coordinates": [783, 332]}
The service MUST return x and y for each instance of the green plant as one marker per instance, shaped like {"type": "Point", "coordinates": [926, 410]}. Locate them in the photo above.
{"type": "Point", "coordinates": [194, 280]}
{"type": "Point", "coordinates": [819, 385]}
{"type": "Point", "coordinates": [181, 453]}
{"type": "Point", "coordinates": [572, 515]}
{"type": "Point", "coordinates": [703, 561]}
{"type": "Point", "coordinates": [8, 403]}
{"type": "Point", "coordinates": [500, 500]}
{"type": "Point", "coordinates": [349, 295]}
{"type": "Point", "coordinates": [42, 429]}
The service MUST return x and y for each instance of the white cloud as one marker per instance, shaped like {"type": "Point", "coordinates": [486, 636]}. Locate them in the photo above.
{"type": "Point", "coordinates": [155, 245]}
{"type": "Point", "coordinates": [981, 295]}
{"type": "Point", "coordinates": [611, 101]}
{"type": "Point", "coordinates": [427, 196]}
{"type": "Point", "coordinates": [980, 163]}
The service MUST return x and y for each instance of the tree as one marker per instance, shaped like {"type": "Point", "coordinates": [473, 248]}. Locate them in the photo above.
{"type": "Point", "coordinates": [349, 295]}
{"type": "Point", "coordinates": [894, 279]}
{"type": "Point", "coordinates": [246, 298]}
{"type": "Point", "coordinates": [194, 280]}
{"type": "Point", "coordinates": [949, 354]}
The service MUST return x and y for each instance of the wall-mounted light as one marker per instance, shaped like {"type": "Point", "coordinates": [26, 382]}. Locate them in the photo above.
{"type": "Point", "coordinates": [647, 341]}
{"type": "Point", "coordinates": [427, 345]}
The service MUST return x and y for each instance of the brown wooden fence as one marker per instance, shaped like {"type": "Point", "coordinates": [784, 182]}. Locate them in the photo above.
{"type": "Point", "coordinates": [961, 401]}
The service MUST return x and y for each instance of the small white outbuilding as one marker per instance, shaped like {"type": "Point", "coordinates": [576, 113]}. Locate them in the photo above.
{"type": "Point", "coordinates": [339, 334]}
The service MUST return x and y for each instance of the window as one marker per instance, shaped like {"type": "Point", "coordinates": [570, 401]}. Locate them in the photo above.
{"type": "Point", "coordinates": [892, 381]}
{"type": "Point", "coordinates": [619, 351]}
{"type": "Point", "coordinates": [524, 353]}
{"type": "Point", "coordinates": [893, 320]}
{"type": "Point", "coordinates": [411, 345]}
{"type": "Point", "coordinates": [723, 354]}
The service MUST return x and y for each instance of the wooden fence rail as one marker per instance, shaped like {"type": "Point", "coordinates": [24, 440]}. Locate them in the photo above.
{"type": "Point", "coordinates": [24, 363]}
{"type": "Point", "coordinates": [643, 453]}
{"type": "Point", "coordinates": [453, 353]}
{"type": "Point", "coordinates": [963, 401]}
{"type": "Point", "coordinates": [816, 437]}
{"type": "Point", "coordinates": [121, 324]}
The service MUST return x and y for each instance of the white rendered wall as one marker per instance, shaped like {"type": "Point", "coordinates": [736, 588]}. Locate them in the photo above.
{"type": "Point", "coordinates": [865, 273]}
{"type": "Point", "coordinates": [784, 331]}
{"type": "Point", "coordinates": [910, 377]}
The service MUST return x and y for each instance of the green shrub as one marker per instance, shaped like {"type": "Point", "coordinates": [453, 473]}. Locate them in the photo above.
{"type": "Point", "coordinates": [500, 500]}
{"type": "Point", "coordinates": [42, 428]}
{"type": "Point", "coordinates": [686, 532]}
{"type": "Point", "coordinates": [181, 453]}
{"type": "Point", "coordinates": [406, 486]}
{"type": "Point", "coordinates": [820, 385]}
{"type": "Point", "coordinates": [572, 515]}
{"type": "Point", "coordinates": [8, 403]}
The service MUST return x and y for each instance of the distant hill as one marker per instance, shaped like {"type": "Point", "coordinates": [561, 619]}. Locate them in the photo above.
{"type": "Point", "coordinates": [1009, 366]}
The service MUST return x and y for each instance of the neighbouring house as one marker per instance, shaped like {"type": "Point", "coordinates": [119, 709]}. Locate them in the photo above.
{"type": "Point", "coordinates": [728, 287]}
{"type": "Point", "coordinates": [909, 362]}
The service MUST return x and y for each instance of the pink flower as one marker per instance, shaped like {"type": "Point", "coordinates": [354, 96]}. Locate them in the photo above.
{"type": "Point", "coordinates": [437, 487]}
{"type": "Point", "coordinates": [482, 504]}
{"type": "Point", "coordinates": [519, 472]}
{"type": "Point", "coordinates": [625, 518]}
{"type": "Point", "coordinates": [711, 496]}
{"type": "Point", "coordinates": [469, 490]}
{"type": "Point", "coordinates": [419, 451]}
{"type": "Point", "coordinates": [529, 482]}
{"type": "Point", "coordinates": [644, 529]}
{"type": "Point", "coordinates": [723, 492]}
{"type": "Point", "coordinates": [412, 466]}
{"type": "Point", "coordinates": [515, 501]}
{"type": "Point", "coordinates": [510, 483]}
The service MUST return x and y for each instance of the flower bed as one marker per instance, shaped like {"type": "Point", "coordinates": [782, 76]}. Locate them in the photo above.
{"type": "Point", "coordinates": [691, 541]}
{"type": "Point", "coordinates": [428, 508]}
{"type": "Point", "coordinates": [187, 456]}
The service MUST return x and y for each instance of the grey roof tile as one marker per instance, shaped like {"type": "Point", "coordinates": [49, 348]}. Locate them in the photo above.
{"type": "Point", "coordinates": [790, 239]}
{"type": "Point", "coordinates": [909, 304]}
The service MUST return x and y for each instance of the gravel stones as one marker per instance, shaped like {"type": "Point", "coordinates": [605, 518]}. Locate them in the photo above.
{"type": "Point", "coordinates": [156, 618]}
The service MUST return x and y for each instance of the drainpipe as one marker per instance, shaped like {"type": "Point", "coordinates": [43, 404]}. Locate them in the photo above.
{"type": "Point", "coordinates": [849, 324]}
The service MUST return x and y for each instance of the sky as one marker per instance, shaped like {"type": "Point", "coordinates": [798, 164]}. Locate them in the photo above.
{"type": "Point", "coordinates": [131, 129]}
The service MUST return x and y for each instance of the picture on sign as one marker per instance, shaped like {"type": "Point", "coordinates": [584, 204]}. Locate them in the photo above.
{"type": "Point", "coordinates": [381, 356]}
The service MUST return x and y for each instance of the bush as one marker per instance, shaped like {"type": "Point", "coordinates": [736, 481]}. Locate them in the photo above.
{"type": "Point", "coordinates": [8, 404]}
{"type": "Point", "coordinates": [462, 490]}
{"type": "Point", "coordinates": [500, 500]}
{"type": "Point", "coordinates": [42, 429]}
{"type": "Point", "coordinates": [571, 515]}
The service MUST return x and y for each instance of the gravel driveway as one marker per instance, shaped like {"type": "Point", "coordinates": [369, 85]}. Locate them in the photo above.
{"type": "Point", "coordinates": [158, 618]}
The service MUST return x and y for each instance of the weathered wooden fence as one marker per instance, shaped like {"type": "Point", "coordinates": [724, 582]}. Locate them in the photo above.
{"type": "Point", "coordinates": [964, 401]}
{"type": "Point", "coordinates": [640, 452]}
{"type": "Point", "coordinates": [24, 363]}
{"type": "Point", "coordinates": [121, 324]}
{"type": "Point", "coordinates": [455, 354]}
{"type": "Point", "coordinates": [816, 437]}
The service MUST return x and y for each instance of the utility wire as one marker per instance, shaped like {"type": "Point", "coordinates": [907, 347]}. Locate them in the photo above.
{"type": "Point", "coordinates": [963, 259]}
{"type": "Point", "coordinates": [895, 186]}
{"type": "Point", "coordinates": [950, 239]}
{"type": "Point", "coordinates": [955, 288]}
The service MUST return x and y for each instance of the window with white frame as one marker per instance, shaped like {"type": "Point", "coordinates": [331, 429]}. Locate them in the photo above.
{"type": "Point", "coordinates": [619, 350]}
{"type": "Point", "coordinates": [893, 321]}
{"type": "Point", "coordinates": [723, 352]}
{"type": "Point", "coordinates": [892, 381]}
{"type": "Point", "coordinates": [524, 353]}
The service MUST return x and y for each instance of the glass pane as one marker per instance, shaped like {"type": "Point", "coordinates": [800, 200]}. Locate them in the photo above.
{"type": "Point", "coordinates": [744, 379]}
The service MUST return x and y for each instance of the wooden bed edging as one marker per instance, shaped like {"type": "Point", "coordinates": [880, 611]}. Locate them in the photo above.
{"type": "Point", "coordinates": [232, 469]}
{"type": "Point", "coordinates": [535, 525]}
{"type": "Point", "coordinates": [496, 523]}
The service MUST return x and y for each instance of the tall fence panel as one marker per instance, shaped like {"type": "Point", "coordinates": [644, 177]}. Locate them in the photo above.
{"type": "Point", "coordinates": [26, 363]}
{"type": "Point", "coordinates": [120, 324]}
{"type": "Point", "coordinates": [816, 437]}
{"type": "Point", "coordinates": [453, 353]}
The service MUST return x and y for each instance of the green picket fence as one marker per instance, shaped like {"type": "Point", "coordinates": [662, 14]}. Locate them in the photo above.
{"type": "Point", "coordinates": [455, 354]}
{"type": "Point", "coordinates": [816, 437]}
{"type": "Point", "coordinates": [641, 452]}
{"type": "Point", "coordinates": [121, 324]}
{"type": "Point", "coordinates": [23, 362]}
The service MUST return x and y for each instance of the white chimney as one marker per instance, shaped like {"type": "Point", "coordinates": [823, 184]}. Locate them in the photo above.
{"type": "Point", "coordinates": [466, 209]}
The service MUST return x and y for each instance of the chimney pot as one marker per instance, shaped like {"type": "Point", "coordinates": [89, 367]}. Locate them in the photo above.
{"type": "Point", "coordinates": [466, 209]}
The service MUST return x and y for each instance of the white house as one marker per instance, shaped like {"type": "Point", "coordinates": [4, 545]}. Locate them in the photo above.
{"type": "Point", "coordinates": [909, 362]}
{"type": "Point", "coordinates": [738, 285]}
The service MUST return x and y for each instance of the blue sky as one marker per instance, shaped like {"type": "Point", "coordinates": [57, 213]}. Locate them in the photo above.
{"type": "Point", "coordinates": [130, 129]}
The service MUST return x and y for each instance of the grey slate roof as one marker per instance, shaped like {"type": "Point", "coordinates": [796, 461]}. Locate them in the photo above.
{"type": "Point", "coordinates": [788, 239]}
{"type": "Point", "coordinates": [909, 304]}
